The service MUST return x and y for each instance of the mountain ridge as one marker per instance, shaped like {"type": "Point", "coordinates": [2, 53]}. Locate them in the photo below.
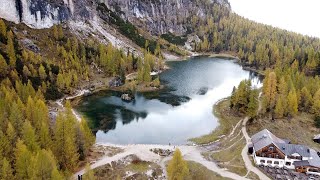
{"type": "Point", "coordinates": [158, 17]}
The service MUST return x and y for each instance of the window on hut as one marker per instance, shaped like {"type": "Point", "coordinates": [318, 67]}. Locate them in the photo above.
{"type": "Point", "coordinates": [269, 162]}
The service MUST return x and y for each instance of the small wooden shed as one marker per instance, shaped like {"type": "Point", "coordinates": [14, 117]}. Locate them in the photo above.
{"type": "Point", "coordinates": [317, 138]}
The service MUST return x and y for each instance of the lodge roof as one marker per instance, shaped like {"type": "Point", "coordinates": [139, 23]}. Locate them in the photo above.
{"type": "Point", "coordinates": [265, 138]}
{"type": "Point", "coordinates": [314, 161]}
{"type": "Point", "coordinates": [289, 149]}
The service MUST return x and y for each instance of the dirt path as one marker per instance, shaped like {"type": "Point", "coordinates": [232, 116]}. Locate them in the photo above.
{"type": "Point", "coordinates": [190, 153]}
{"type": "Point", "coordinates": [78, 94]}
{"type": "Point", "coordinates": [245, 156]}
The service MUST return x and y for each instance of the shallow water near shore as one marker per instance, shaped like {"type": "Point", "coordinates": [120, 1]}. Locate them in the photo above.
{"type": "Point", "coordinates": [180, 111]}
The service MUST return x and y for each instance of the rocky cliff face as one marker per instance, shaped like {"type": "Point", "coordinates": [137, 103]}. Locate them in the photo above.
{"type": "Point", "coordinates": [156, 16]}
{"type": "Point", "coordinates": [43, 13]}
{"type": "Point", "coordinates": [161, 16]}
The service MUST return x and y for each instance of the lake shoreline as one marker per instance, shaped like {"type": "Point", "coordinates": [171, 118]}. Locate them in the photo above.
{"type": "Point", "coordinates": [226, 55]}
{"type": "Point", "coordinates": [197, 83]}
{"type": "Point", "coordinates": [75, 100]}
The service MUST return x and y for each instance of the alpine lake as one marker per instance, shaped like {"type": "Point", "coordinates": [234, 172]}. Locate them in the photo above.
{"type": "Point", "coordinates": [174, 114]}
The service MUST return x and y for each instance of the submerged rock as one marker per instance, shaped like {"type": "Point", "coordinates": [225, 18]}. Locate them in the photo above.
{"type": "Point", "coordinates": [127, 97]}
{"type": "Point", "coordinates": [202, 91]}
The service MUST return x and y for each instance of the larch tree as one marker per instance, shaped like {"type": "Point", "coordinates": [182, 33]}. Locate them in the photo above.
{"type": "Point", "coordinates": [85, 139]}
{"type": "Point", "coordinates": [40, 115]}
{"type": "Point", "coordinates": [45, 141]}
{"type": "Point", "coordinates": [16, 117]}
{"type": "Point", "coordinates": [60, 32]}
{"type": "Point", "coordinates": [292, 103]}
{"type": "Point", "coordinates": [283, 87]}
{"type": "Point", "coordinates": [10, 50]}
{"type": "Point", "coordinates": [6, 170]}
{"type": "Point", "coordinates": [270, 91]}
{"type": "Point", "coordinates": [55, 32]}
{"type": "Point", "coordinates": [89, 175]}
{"type": "Point", "coordinates": [279, 109]}
{"type": "Point", "coordinates": [29, 137]}
{"type": "Point", "coordinates": [3, 67]}
{"type": "Point", "coordinates": [60, 81]}
{"type": "Point", "coordinates": [316, 104]}
{"type": "Point", "coordinates": [3, 29]}
{"type": "Point", "coordinates": [23, 158]}
{"type": "Point", "coordinates": [243, 97]}
{"type": "Point", "coordinates": [156, 82]}
{"type": "Point", "coordinates": [146, 75]}
{"type": "Point", "coordinates": [177, 168]}
{"type": "Point", "coordinates": [42, 72]}
{"type": "Point", "coordinates": [44, 165]}
{"type": "Point", "coordinates": [11, 135]}
{"type": "Point", "coordinates": [306, 100]}
{"type": "Point", "coordinates": [26, 71]}
{"type": "Point", "coordinates": [65, 143]}
{"type": "Point", "coordinates": [56, 175]}
{"type": "Point", "coordinates": [5, 146]}
{"type": "Point", "coordinates": [253, 104]}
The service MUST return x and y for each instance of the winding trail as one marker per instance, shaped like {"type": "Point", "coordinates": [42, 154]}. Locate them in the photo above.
{"type": "Point", "coordinates": [190, 153]}
{"type": "Point", "coordinates": [245, 156]}
{"type": "Point", "coordinates": [78, 94]}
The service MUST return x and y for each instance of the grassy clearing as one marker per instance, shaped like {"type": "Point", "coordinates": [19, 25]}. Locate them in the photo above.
{"type": "Point", "coordinates": [227, 122]}
{"type": "Point", "coordinates": [300, 129]}
{"type": "Point", "coordinates": [98, 151]}
{"type": "Point", "coordinates": [136, 168]}
{"type": "Point", "coordinates": [228, 155]}
{"type": "Point", "coordinates": [139, 167]}
{"type": "Point", "coordinates": [252, 176]}
{"type": "Point", "coordinates": [199, 172]}
{"type": "Point", "coordinates": [231, 158]}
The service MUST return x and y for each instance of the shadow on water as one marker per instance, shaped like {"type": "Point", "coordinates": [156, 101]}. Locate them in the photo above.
{"type": "Point", "coordinates": [182, 110]}
{"type": "Point", "coordinates": [103, 116]}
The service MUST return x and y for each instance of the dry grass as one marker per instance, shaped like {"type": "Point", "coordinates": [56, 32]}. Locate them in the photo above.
{"type": "Point", "coordinates": [130, 167]}
{"type": "Point", "coordinates": [228, 154]}
{"type": "Point", "coordinates": [300, 129]}
{"type": "Point", "coordinates": [252, 176]}
{"type": "Point", "coordinates": [141, 167]}
{"type": "Point", "coordinates": [98, 151]}
{"type": "Point", "coordinates": [199, 172]}
{"type": "Point", "coordinates": [231, 158]}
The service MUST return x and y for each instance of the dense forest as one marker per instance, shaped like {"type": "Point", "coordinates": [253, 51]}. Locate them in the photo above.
{"type": "Point", "coordinates": [32, 145]}
{"type": "Point", "coordinates": [257, 45]}
{"type": "Point", "coordinates": [289, 61]}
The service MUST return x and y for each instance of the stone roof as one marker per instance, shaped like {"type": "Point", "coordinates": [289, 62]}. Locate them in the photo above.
{"type": "Point", "coordinates": [289, 149]}
{"type": "Point", "coordinates": [265, 138]}
{"type": "Point", "coordinates": [314, 160]}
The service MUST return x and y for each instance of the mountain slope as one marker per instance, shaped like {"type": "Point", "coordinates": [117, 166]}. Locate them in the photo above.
{"type": "Point", "coordinates": [145, 19]}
